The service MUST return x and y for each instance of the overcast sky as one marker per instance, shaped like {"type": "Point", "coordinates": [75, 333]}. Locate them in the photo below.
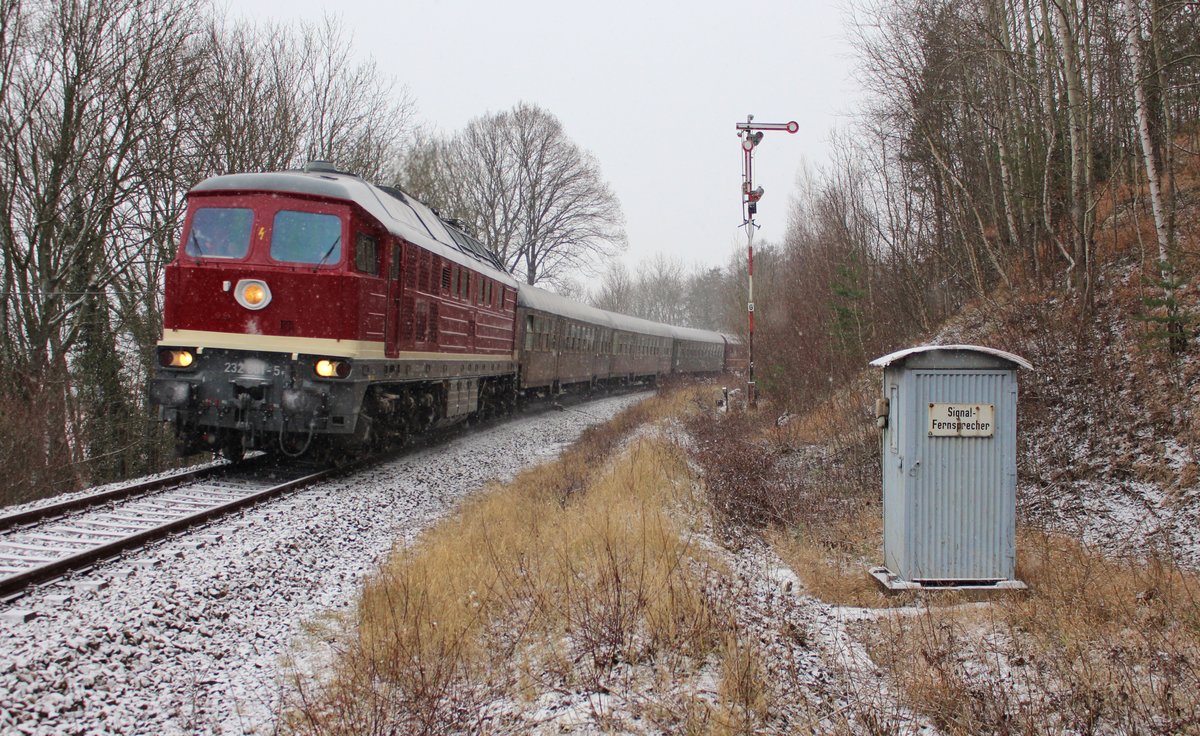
{"type": "Point", "coordinates": [652, 89]}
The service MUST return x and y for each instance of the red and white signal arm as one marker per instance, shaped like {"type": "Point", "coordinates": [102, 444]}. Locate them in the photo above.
{"type": "Point", "coordinates": [791, 126]}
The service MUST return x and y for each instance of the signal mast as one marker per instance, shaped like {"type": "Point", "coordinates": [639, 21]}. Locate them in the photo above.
{"type": "Point", "coordinates": [751, 134]}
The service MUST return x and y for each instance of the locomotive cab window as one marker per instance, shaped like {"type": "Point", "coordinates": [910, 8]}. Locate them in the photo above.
{"type": "Point", "coordinates": [366, 254]}
{"type": "Point", "coordinates": [220, 232]}
{"type": "Point", "coordinates": [306, 237]}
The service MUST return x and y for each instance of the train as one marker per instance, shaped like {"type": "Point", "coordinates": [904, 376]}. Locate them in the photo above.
{"type": "Point", "coordinates": [310, 307]}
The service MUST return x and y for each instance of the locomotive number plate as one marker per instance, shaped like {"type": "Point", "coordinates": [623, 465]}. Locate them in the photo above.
{"type": "Point", "coordinates": [253, 368]}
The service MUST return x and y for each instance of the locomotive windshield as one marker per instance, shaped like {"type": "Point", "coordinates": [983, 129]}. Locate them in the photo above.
{"type": "Point", "coordinates": [306, 237]}
{"type": "Point", "coordinates": [220, 232]}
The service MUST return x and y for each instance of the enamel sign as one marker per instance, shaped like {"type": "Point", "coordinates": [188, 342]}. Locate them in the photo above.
{"type": "Point", "coordinates": [962, 420]}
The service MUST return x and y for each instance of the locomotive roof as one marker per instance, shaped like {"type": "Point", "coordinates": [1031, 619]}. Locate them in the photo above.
{"type": "Point", "coordinates": [532, 297]}
{"type": "Point", "coordinates": [401, 214]}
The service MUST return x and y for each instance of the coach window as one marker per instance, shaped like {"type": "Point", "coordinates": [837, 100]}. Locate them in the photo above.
{"type": "Point", "coordinates": [366, 254]}
{"type": "Point", "coordinates": [220, 232]}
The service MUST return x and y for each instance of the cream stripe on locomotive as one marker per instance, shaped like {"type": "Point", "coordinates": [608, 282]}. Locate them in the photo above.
{"type": "Point", "coordinates": [360, 349]}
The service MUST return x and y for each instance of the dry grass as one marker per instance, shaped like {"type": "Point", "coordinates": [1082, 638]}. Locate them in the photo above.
{"type": "Point", "coordinates": [556, 582]}
{"type": "Point", "coordinates": [836, 572]}
{"type": "Point", "coordinates": [811, 485]}
{"type": "Point", "coordinates": [1098, 645]}
{"type": "Point", "coordinates": [744, 691]}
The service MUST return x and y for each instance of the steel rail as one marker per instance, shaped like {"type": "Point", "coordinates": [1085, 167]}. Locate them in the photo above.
{"type": "Point", "coordinates": [82, 503]}
{"type": "Point", "coordinates": [88, 557]}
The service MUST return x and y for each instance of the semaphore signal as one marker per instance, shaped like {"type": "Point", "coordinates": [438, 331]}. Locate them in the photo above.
{"type": "Point", "coordinates": [751, 134]}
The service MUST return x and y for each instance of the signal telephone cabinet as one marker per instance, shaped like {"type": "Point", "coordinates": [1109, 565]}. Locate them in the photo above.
{"type": "Point", "coordinates": [948, 417]}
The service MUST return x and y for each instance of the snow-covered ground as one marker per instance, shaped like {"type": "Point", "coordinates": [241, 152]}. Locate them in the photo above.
{"type": "Point", "coordinates": [188, 635]}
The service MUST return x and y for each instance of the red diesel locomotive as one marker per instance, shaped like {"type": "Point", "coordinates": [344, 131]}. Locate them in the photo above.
{"type": "Point", "coordinates": [310, 303]}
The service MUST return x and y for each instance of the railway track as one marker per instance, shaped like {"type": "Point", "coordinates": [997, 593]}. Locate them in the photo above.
{"type": "Point", "coordinates": [47, 542]}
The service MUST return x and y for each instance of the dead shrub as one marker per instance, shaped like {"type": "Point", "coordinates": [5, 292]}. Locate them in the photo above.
{"type": "Point", "coordinates": [549, 583]}
{"type": "Point", "coordinates": [744, 692]}
{"type": "Point", "coordinates": [813, 482]}
{"type": "Point", "coordinates": [1098, 645]}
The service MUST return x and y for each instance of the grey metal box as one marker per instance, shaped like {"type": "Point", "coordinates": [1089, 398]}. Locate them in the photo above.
{"type": "Point", "coordinates": [949, 453]}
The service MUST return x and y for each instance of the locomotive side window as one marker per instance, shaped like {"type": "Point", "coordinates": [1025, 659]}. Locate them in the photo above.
{"type": "Point", "coordinates": [306, 237]}
{"type": "Point", "coordinates": [366, 254]}
{"type": "Point", "coordinates": [395, 272]}
{"type": "Point", "coordinates": [220, 232]}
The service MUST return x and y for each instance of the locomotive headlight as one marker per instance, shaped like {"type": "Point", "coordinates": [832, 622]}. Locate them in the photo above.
{"type": "Point", "coordinates": [175, 358]}
{"type": "Point", "coordinates": [332, 368]}
{"type": "Point", "coordinates": [252, 293]}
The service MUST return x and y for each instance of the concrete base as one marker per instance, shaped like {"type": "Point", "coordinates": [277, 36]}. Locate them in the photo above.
{"type": "Point", "coordinates": [892, 583]}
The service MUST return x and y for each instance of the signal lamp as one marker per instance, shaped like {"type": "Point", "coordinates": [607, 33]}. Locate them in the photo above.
{"type": "Point", "coordinates": [332, 368]}
{"type": "Point", "coordinates": [175, 358]}
{"type": "Point", "coordinates": [252, 294]}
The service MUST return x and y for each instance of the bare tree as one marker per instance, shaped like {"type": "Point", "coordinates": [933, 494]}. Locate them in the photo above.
{"type": "Point", "coordinates": [662, 289]}
{"type": "Point", "coordinates": [616, 289]}
{"type": "Point", "coordinates": [247, 111]}
{"type": "Point", "coordinates": [109, 111]}
{"type": "Point", "coordinates": [528, 191]}
{"type": "Point", "coordinates": [85, 91]}
{"type": "Point", "coordinates": [661, 286]}
{"type": "Point", "coordinates": [352, 115]}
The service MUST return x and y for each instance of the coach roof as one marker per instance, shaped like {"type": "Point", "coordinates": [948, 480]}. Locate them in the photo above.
{"type": "Point", "coordinates": [532, 297]}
